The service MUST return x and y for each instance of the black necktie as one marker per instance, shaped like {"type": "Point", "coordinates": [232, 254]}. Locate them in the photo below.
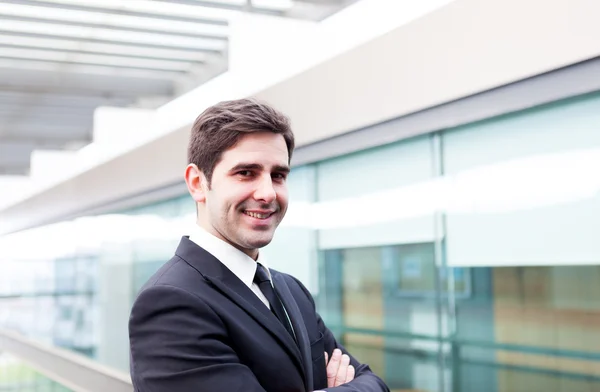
{"type": "Point", "coordinates": [262, 280]}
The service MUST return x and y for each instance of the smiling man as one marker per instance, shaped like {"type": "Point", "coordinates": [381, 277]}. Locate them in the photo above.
{"type": "Point", "coordinates": [215, 317]}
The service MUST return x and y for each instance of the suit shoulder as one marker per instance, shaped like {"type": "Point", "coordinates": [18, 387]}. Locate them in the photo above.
{"type": "Point", "coordinates": [158, 275]}
{"type": "Point", "coordinates": [175, 272]}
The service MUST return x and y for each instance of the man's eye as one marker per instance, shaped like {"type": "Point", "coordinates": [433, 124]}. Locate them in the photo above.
{"type": "Point", "coordinates": [245, 173]}
{"type": "Point", "coordinates": [278, 176]}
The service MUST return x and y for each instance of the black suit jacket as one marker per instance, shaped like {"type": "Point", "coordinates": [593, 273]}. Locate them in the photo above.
{"type": "Point", "coordinates": [196, 327]}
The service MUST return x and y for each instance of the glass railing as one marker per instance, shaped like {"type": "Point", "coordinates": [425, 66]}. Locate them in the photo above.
{"type": "Point", "coordinates": [27, 365]}
{"type": "Point", "coordinates": [17, 376]}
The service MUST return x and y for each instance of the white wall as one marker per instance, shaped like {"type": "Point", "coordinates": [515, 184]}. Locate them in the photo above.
{"type": "Point", "coordinates": [463, 48]}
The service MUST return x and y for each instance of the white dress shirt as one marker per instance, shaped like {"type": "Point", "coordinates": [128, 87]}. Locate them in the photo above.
{"type": "Point", "coordinates": [242, 265]}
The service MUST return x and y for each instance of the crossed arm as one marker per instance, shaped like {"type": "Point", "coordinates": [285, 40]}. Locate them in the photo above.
{"type": "Point", "coordinates": [344, 372]}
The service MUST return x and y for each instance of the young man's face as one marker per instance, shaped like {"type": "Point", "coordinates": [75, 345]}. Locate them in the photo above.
{"type": "Point", "coordinates": [248, 195]}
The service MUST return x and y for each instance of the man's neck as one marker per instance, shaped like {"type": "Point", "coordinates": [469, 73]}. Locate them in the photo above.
{"type": "Point", "coordinates": [252, 253]}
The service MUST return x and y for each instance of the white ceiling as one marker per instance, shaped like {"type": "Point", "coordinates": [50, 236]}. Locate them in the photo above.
{"type": "Point", "coordinates": [60, 59]}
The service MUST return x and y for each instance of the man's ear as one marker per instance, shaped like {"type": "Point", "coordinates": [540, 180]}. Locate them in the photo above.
{"type": "Point", "coordinates": [196, 183]}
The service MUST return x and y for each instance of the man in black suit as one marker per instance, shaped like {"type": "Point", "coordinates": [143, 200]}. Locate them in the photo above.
{"type": "Point", "coordinates": [215, 317]}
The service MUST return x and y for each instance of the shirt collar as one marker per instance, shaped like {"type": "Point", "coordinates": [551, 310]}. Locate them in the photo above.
{"type": "Point", "coordinates": [242, 265]}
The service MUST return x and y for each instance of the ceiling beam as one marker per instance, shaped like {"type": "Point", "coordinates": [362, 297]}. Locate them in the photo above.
{"type": "Point", "coordinates": [97, 52]}
{"type": "Point", "coordinates": [65, 98]}
{"type": "Point", "coordinates": [15, 158]}
{"type": "Point", "coordinates": [65, 101]}
{"type": "Point", "coordinates": [141, 14]}
{"type": "Point", "coordinates": [217, 37]}
{"type": "Point", "coordinates": [214, 4]}
{"type": "Point", "coordinates": [17, 170]}
{"type": "Point", "coordinates": [42, 140]}
{"type": "Point", "coordinates": [107, 41]}
{"type": "Point", "coordinates": [42, 109]}
{"type": "Point", "coordinates": [327, 2]}
{"type": "Point", "coordinates": [16, 83]}
{"type": "Point", "coordinates": [43, 112]}
{"type": "Point", "coordinates": [317, 10]}
{"type": "Point", "coordinates": [46, 121]}
{"type": "Point", "coordinates": [20, 121]}
{"type": "Point", "coordinates": [54, 130]}
{"type": "Point", "coordinates": [119, 66]}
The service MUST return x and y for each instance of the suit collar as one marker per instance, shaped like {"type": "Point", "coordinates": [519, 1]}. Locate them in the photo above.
{"type": "Point", "coordinates": [242, 265]}
{"type": "Point", "coordinates": [201, 260]}
{"type": "Point", "coordinates": [207, 264]}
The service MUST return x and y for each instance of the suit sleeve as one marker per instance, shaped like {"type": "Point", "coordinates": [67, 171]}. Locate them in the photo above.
{"type": "Point", "coordinates": [178, 343]}
{"type": "Point", "coordinates": [364, 379]}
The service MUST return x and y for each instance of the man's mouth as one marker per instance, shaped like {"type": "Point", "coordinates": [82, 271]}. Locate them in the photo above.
{"type": "Point", "coordinates": [258, 215]}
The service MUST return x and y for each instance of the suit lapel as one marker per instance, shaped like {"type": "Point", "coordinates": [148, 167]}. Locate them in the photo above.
{"type": "Point", "coordinates": [233, 288]}
{"type": "Point", "coordinates": [282, 289]}
{"type": "Point", "coordinates": [240, 294]}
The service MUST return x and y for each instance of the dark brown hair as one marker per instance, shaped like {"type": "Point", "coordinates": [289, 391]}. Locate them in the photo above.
{"type": "Point", "coordinates": [221, 126]}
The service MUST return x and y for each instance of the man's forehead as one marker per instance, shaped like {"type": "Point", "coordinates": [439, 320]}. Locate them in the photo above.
{"type": "Point", "coordinates": [257, 151]}
{"type": "Point", "coordinates": [261, 141]}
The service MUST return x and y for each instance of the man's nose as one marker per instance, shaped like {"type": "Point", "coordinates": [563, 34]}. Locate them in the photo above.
{"type": "Point", "coordinates": [264, 190]}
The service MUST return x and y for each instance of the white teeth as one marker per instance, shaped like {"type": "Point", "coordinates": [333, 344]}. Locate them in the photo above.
{"type": "Point", "coordinates": [257, 215]}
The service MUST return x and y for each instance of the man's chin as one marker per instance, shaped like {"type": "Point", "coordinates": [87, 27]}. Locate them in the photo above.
{"type": "Point", "coordinates": [257, 243]}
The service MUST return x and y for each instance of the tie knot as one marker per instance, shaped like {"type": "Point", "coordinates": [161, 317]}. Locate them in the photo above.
{"type": "Point", "coordinates": [261, 274]}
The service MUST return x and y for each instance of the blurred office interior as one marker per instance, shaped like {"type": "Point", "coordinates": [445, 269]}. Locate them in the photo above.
{"type": "Point", "coordinates": [445, 191]}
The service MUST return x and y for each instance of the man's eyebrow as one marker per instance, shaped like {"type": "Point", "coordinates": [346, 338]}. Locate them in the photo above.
{"type": "Point", "coordinates": [257, 166]}
{"type": "Point", "coordinates": [246, 166]}
{"type": "Point", "coordinates": [281, 169]}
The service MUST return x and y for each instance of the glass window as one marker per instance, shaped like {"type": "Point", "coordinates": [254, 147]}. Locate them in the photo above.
{"type": "Point", "coordinates": [525, 222]}
{"type": "Point", "coordinates": [376, 172]}
{"type": "Point", "coordinates": [416, 272]}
